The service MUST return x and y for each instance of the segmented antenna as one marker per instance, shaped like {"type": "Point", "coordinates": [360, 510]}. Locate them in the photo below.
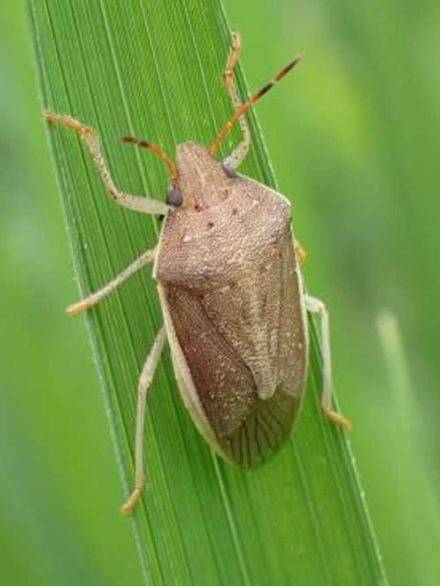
{"type": "Point", "coordinates": [247, 105]}
{"type": "Point", "coordinates": [157, 150]}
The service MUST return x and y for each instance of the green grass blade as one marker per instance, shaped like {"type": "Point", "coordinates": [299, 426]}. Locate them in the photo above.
{"type": "Point", "coordinates": [153, 69]}
{"type": "Point", "coordinates": [406, 458]}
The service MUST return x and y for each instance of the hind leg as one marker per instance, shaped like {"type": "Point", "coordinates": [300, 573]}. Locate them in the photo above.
{"type": "Point", "coordinates": [144, 384]}
{"type": "Point", "coordinates": [314, 305]}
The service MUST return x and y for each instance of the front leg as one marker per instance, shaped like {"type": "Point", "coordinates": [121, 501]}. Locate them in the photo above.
{"type": "Point", "coordinates": [240, 152]}
{"type": "Point", "coordinates": [133, 202]}
{"type": "Point", "coordinates": [314, 305]}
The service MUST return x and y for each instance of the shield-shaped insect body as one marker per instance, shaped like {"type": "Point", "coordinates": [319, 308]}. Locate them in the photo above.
{"type": "Point", "coordinates": [232, 301]}
{"type": "Point", "coordinates": [234, 307]}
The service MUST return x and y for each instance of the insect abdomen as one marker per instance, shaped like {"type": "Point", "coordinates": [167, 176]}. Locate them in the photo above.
{"type": "Point", "coordinates": [264, 430]}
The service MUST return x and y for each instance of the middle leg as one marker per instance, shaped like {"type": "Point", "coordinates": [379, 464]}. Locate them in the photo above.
{"type": "Point", "coordinates": [314, 305]}
{"type": "Point", "coordinates": [301, 253]}
{"type": "Point", "coordinates": [144, 259]}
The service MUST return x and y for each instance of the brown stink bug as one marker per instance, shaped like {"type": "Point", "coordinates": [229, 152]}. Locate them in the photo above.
{"type": "Point", "coordinates": [230, 287]}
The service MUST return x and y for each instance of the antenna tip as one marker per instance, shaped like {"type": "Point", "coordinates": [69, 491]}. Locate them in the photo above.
{"type": "Point", "coordinates": [288, 67]}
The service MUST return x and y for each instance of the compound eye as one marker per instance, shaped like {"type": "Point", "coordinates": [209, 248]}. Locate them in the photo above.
{"type": "Point", "coordinates": [229, 171]}
{"type": "Point", "coordinates": [174, 198]}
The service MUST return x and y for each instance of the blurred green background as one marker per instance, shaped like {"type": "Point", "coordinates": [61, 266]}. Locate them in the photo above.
{"type": "Point", "coordinates": [356, 139]}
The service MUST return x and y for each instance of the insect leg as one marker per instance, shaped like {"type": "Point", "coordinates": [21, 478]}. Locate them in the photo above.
{"type": "Point", "coordinates": [314, 305]}
{"type": "Point", "coordinates": [242, 109]}
{"type": "Point", "coordinates": [145, 258]}
{"type": "Point", "coordinates": [240, 152]}
{"type": "Point", "coordinates": [134, 202]}
{"type": "Point", "coordinates": [301, 253]}
{"type": "Point", "coordinates": [145, 381]}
